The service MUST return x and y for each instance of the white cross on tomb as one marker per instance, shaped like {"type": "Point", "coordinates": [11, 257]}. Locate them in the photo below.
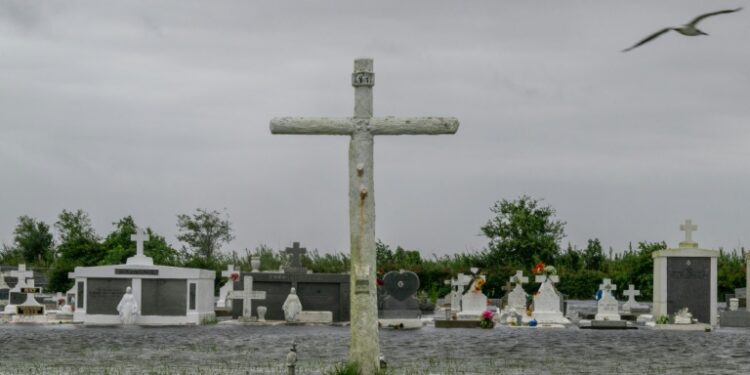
{"type": "Point", "coordinates": [519, 278]}
{"type": "Point", "coordinates": [540, 279]}
{"type": "Point", "coordinates": [230, 270]}
{"type": "Point", "coordinates": [607, 285]}
{"type": "Point", "coordinates": [688, 228]}
{"type": "Point", "coordinates": [247, 296]}
{"type": "Point", "coordinates": [22, 275]}
{"type": "Point", "coordinates": [139, 259]}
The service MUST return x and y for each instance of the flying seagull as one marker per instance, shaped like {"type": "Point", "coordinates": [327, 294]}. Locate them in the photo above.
{"type": "Point", "coordinates": [689, 29]}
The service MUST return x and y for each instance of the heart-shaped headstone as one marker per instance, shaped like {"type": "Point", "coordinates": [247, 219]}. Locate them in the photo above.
{"type": "Point", "coordinates": [401, 284]}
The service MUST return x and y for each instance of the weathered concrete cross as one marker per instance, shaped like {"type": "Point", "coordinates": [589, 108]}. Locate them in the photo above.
{"type": "Point", "coordinates": [247, 296]}
{"type": "Point", "coordinates": [296, 252]}
{"type": "Point", "coordinates": [362, 128]}
{"type": "Point", "coordinates": [688, 228]}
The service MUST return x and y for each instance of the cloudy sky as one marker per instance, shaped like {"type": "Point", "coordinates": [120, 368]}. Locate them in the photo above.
{"type": "Point", "coordinates": [153, 109]}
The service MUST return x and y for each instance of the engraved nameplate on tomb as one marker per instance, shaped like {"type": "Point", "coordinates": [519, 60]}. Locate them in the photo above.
{"type": "Point", "coordinates": [103, 295]}
{"type": "Point", "coordinates": [362, 286]}
{"type": "Point", "coordinates": [31, 290]}
{"type": "Point", "coordinates": [29, 310]}
{"type": "Point", "coordinates": [689, 285]}
{"type": "Point", "coordinates": [166, 297]}
{"type": "Point", "coordinates": [136, 271]}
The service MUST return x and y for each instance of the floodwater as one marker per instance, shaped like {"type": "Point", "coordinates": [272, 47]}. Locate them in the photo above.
{"type": "Point", "coordinates": [243, 349]}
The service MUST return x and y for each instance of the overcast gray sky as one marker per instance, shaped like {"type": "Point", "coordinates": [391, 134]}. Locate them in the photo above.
{"type": "Point", "coordinates": [153, 109]}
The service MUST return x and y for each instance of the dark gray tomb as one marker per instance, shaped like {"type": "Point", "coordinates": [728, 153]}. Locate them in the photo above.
{"type": "Point", "coordinates": [316, 291]}
{"type": "Point", "coordinates": [399, 301]}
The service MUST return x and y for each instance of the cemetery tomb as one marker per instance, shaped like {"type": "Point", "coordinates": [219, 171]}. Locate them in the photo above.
{"type": "Point", "coordinates": [736, 314]}
{"type": "Point", "coordinates": [516, 300]}
{"type": "Point", "coordinates": [400, 308]}
{"type": "Point", "coordinates": [316, 291]}
{"type": "Point", "coordinates": [547, 302]}
{"type": "Point", "coordinates": [164, 295]}
{"type": "Point", "coordinates": [473, 302]}
{"type": "Point", "coordinates": [685, 277]}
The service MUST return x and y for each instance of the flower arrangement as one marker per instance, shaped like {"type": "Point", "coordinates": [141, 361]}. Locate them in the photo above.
{"type": "Point", "coordinates": [541, 268]}
{"type": "Point", "coordinates": [234, 276]}
{"type": "Point", "coordinates": [487, 320]}
{"type": "Point", "coordinates": [477, 286]}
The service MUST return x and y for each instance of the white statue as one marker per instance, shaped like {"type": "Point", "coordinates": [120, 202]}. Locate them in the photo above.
{"type": "Point", "coordinates": [292, 306]}
{"type": "Point", "coordinates": [128, 307]}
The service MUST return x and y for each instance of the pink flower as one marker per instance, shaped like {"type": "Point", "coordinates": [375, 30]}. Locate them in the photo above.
{"type": "Point", "coordinates": [488, 315]}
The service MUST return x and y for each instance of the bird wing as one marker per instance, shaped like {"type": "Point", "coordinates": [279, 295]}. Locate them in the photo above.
{"type": "Point", "coordinates": [648, 38]}
{"type": "Point", "coordinates": [702, 16]}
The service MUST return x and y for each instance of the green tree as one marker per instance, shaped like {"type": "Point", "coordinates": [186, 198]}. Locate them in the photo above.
{"type": "Point", "coordinates": [34, 240]}
{"type": "Point", "coordinates": [522, 232]}
{"type": "Point", "coordinates": [593, 256]}
{"type": "Point", "coordinates": [119, 247]}
{"type": "Point", "coordinates": [78, 246]}
{"type": "Point", "coordinates": [205, 232]}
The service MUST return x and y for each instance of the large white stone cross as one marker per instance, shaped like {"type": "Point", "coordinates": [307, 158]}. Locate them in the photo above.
{"type": "Point", "coordinates": [607, 287]}
{"type": "Point", "coordinates": [247, 296]}
{"type": "Point", "coordinates": [139, 237]}
{"type": "Point", "coordinates": [230, 270]}
{"type": "Point", "coordinates": [362, 128]}
{"type": "Point", "coordinates": [519, 278]}
{"type": "Point", "coordinates": [688, 228]}
{"type": "Point", "coordinates": [22, 275]}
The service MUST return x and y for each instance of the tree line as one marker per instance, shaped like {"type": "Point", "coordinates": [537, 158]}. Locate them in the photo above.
{"type": "Point", "coordinates": [520, 234]}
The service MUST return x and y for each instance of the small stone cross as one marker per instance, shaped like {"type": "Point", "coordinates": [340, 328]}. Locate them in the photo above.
{"type": "Point", "coordinates": [631, 292]}
{"type": "Point", "coordinates": [507, 288]}
{"type": "Point", "coordinates": [247, 296]}
{"type": "Point", "coordinates": [540, 279]}
{"type": "Point", "coordinates": [688, 228]}
{"type": "Point", "coordinates": [607, 286]}
{"type": "Point", "coordinates": [296, 252]}
{"type": "Point", "coordinates": [139, 237]}
{"type": "Point", "coordinates": [460, 282]}
{"type": "Point", "coordinates": [519, 278]}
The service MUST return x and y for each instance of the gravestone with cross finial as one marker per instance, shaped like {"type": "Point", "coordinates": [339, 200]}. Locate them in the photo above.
{"type": "Point", "coordinates": [362, 128]}
{"type": "Point", "coordinates": [517, 297]}
{"type": "Point", "coordinates": [25, 284]}
{"type": "Point", "coordinates": [139, 259]}
{"type": "Point", "coordinates": [474, 301]}
{"type": "Point", "coordinates": [631, 303]}
{"type": "Point", "coordinates": [458, 284]}
{"type": "Point", "coordinates": [547, 301]}
{"type": "Point", "coordinates": [607, 308]}
{"type": "Point", "coordinates": [247, 296]}
{"type": "Point", "coordinates": [232, 276]}
{"type": "Point", "coordinates": [686, 277]}
{"type": "Point", "coordinates": [295, 261]}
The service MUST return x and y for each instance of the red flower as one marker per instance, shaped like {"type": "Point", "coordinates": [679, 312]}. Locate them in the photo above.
{"type": "Point", "coordinates": [234, 276]}
{"type": "Point", "coordinates": [379, 281]}
{"type": "Point", "coordinates": [539, 268]}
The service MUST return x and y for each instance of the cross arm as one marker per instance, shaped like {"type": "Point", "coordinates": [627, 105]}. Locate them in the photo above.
{"type": "Point", "coordinates": [312, 125]}
{"type": "Point", "coordinates": [413, 125]}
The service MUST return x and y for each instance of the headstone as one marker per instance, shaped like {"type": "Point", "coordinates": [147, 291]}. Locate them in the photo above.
{"type": "Point", "coordinates": [517, 297]}
{"type": "Point", "coordinates": [247, 296]}
{"type": "Point", "coordinates": [295, 264]}
{"type": "Point", "coordinates": [686, 277]}
{"type": "Point", "coordinates": [473, 302]}
{"type": "Point", "coordinates": [400, 301]}
{"type": "Point", "coordinates": [607, 307]}
{"type": "Point", "coordinates": [734, 304]}
{"type": "Point", "coordinates": [365, 347]}
{"type": "Point", "coordinates": [457, 291]}
{"type": "Point", "coordinates": [631, 304]}
{"type": "Point", "coordinates": [547, 302]}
